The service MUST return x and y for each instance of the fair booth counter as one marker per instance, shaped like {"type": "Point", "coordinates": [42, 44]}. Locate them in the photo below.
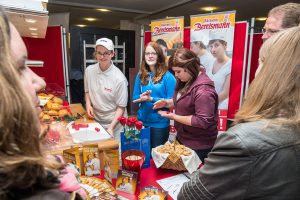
{"type": "Point", "coordinates": [56, 144]}
{"type": "Point", "coordinates": [149, 176]}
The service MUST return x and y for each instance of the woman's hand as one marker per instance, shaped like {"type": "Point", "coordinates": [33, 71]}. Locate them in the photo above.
{"type": "Point", "coordinates": [144, 97]}
{"type": "Point", "coordinates": [167, 114]}
{"type": "Point", "coordinates": [90, 112]}
{"type": "Point", "coordinates": [159, 104]}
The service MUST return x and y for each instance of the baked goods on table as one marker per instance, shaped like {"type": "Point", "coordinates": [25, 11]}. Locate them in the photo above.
{"type": "Point", "coordinates": [175, 156]}
{"type": "Point", "coordinates": [53, 108]}
{"type": "Point", "coordinates": [176, 148]}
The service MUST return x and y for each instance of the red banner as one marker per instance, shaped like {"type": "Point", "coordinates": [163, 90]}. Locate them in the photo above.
{"type": "Point", "coordinates": [238, 63]}
{"type": "Point", "coordinates": [48, 50]}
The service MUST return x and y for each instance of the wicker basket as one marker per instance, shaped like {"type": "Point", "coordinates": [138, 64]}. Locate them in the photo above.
{"type": "Point", "coordinates": [174, 162]}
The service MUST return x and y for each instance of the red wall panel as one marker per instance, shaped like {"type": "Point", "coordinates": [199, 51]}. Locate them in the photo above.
{"type": "Point", "coordinates": [237, 68]}
{"type": "Point", "coordinates": [187, 37]}
{"type": "Point", "coordinates": [257, 42]}
{"type": "Point", "coordinates": [48, 50]}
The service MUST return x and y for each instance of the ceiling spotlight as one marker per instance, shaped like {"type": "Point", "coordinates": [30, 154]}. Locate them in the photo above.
{"type": "Point", "coordinates": [261, 18]}
{"type": "Point", "coordinates": [90, 19]}
{"type": "Point", "coordinates": [33, 29]}
{"type": "Point", "coordinates": [103, 10]}
{"type": "Point", "coordinates": [209, 8]}
{"type": "Point", "coordinates": [81, 25]}
{"type": "Point", "coordinates": [28, 20]}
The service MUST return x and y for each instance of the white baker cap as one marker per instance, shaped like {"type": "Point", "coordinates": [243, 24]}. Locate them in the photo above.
{"type": "Point", "coordinates": [197, 36]}
{"type": "Point", "coordinates": [217, 35]}
{"type": "Point", "coordinates": [107, 43]}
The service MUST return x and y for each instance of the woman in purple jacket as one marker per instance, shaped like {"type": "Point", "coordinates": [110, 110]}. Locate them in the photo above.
{"type": "Point", "coordinates": [196, 104]}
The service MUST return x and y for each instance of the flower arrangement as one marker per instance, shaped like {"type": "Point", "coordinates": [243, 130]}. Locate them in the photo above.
{"type": "Point", "coordinates": [132, 127]}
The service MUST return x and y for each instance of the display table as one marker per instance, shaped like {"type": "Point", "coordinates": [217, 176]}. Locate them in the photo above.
{"type": "Point", "coordinates": [66, 141]}
{"type": "Point", "coordinates": [149, 176]}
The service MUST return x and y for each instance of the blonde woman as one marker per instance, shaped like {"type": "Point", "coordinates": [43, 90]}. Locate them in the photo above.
{"type": "Point", "coordinates": [259, 158]}
{"type": "Point", "coordinates": [25, 171]}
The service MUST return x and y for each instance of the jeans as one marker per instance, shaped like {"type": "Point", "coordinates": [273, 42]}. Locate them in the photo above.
{"type": "Point", "coordinates": [159, 136]}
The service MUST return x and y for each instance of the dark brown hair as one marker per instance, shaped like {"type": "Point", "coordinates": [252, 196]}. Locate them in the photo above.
{"type": "Point", "coordinates": [189, 61]}
{"type": "Point", "coordinates": [160, 65]}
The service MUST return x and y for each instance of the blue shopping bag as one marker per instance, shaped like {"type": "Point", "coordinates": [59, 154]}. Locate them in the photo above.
{"type": "Point", "coordinates": [142, 144]}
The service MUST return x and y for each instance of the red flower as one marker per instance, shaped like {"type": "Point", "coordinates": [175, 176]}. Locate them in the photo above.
{"type": "Point", "coordinates": [131, 121]}
{"type": "Point", "coordinates": [122, 120]}
{"type": "Point", "coordinates": [139, 125]}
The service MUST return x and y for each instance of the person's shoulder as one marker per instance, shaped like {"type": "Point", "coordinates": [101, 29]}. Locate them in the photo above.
{"type": "Point", "coordinates": [117, 74]}
{"type": "Point", "coordinates": [262, 136]}
{"type": "Point", "coordinates": [169, 75]}
{"type": "Point", "coordinates": [203, 82]}
{"type": "Point", "coordinates": [91, 68]}
{"type": "Point", "coordinates": [228, 63]}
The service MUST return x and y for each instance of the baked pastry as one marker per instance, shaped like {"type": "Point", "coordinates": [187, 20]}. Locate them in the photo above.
{"type": "Point", "coordinates": [55, 106]}
{"type": "Point", "coordinates": [63, 113]}
{"type": "Point", "coordinates": [52, 113]}
{"type": "Point", "coordinates": [57, 100]}
{"type": "Point", "coordinates": [46, 117]}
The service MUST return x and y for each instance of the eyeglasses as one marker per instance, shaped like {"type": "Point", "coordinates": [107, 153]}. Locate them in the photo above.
{"type": "Point", "coordinates": [269, 31]}
{"type": "Point", "coordinates": [105, 54]}
{"type": "Point", "coordinates": [150, 53]}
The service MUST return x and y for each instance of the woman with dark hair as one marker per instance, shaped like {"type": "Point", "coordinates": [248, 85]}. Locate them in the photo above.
{"type": "Point", "coordinates": [153, 83]}
{"type": "Point", "coordinates": [25, 171]}
{"type": "Point", "coordinates": [196, 104]}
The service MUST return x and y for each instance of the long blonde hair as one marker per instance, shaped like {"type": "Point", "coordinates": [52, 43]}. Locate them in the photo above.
{"type": "Point", "coordinates": [22, 163]}
{"type": "Point", "coordinates": [274, 94]}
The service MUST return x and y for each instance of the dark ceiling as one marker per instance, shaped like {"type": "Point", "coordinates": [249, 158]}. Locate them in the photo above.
{"type": "Point", "coordinates": [142, 11]}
